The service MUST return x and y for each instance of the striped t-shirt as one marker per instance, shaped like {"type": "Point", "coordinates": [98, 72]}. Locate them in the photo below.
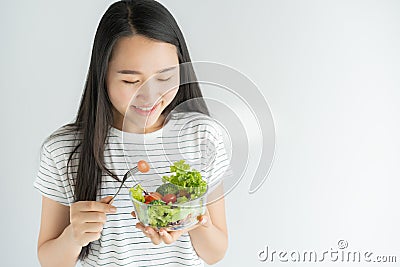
{"type": "Point", "coordinates": [194, 137]}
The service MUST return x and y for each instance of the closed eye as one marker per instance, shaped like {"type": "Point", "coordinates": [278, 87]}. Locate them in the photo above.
{"type": "Point", "coordinates": [163, 80]}
{"type": "Point", "coordinates": [129, 82]}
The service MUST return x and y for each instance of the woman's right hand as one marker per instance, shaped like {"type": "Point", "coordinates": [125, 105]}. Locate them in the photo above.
{"type": "Point", "coordinates": [87, 219]}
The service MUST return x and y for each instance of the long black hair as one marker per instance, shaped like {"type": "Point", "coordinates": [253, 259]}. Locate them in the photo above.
{"type": "Point", "coordinates": [122, 19]}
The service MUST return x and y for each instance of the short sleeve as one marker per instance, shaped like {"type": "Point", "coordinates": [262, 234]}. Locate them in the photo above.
{"type": "Point", "coordinates": [216, 159]}
{"type": "Point", "coordinates": [48, 180]}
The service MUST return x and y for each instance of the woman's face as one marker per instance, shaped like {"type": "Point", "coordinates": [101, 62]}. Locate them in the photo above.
{"type": "Point", "coordinates": [142, 80]}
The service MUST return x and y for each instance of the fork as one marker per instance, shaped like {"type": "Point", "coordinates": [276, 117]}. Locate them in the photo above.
{"type": "Point", "coordinates": [131, 171]}
{"type": "Point", "coordinates": [142, 166]}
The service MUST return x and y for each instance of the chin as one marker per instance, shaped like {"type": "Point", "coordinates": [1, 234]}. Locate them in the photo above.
{"type": "Point", "coordinates": [150, 122]}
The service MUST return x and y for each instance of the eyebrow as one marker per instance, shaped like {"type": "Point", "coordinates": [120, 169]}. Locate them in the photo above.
{"type": "Point", "coordinates": [138, 72]}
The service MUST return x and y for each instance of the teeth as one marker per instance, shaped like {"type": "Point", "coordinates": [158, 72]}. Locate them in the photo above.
{"type": "Point", "coordinates": [145, 109]}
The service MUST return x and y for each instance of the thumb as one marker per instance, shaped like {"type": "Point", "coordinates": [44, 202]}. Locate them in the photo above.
{"type": "Point", "coordinates": [107, 200]}
{"type": "Point", "coordinates": [204, 220]}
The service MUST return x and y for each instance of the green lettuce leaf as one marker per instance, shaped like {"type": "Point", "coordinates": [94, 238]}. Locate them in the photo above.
{"type": "Point", "coordinates": [184, 177]}
{"type": "Point", "coordinates": [137, 193]}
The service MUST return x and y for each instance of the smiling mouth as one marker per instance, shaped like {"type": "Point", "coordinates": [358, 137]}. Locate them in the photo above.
{"type": "Point", "coordinates": [145, 110]}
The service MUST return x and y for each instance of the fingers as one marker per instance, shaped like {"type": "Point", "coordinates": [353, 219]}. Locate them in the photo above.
{"type": "Point", "coordinates": [170, 237]}
{"type": "Point", "coordinates": [107, 200]}
{"type": "Point", "coordinates": [93, 227]}
{"type": "Point", "coordinates": [204, 221]}
{"type": "Point", "coordinates": [88, 218]}
{"type": "Point", "coordinates": [153, 234]}
{"type": "Point", "coordinates": [96, 206]}
{"type": "Point", "coordinates": [161, 236]}
{"type": "Point", "coordinates": [94, 216]}
{"type": "Point", "coordinates": [83, 233]}
{"type": "Point", "coordinates": [150, 233]}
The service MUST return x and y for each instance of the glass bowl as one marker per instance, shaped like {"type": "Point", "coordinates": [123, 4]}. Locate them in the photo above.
{"type": "Point", "coordinates": [171, 216]}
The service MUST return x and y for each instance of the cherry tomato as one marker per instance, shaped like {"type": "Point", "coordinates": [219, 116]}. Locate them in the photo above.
{"type": "Point", "coordinates": [169, 198]}
{"type": "Point", "coordinates": [143, 166]}
{"type": "Point", "coordinates": [148, 199]}
{"type": "Point", "coordinates": [152, 196]}
{"type": "Point", "coordinates": [156, 195]}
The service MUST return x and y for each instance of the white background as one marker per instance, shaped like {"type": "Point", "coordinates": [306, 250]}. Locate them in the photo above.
{"type": "Point", "coordinates": [329, 69]}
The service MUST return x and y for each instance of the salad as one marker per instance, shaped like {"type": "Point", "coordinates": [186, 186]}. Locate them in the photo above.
{"type": "Point", "coordinates": [176, 202]}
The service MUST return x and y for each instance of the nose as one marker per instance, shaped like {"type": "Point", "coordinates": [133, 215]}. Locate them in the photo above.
{"type": "Point", "coordinates": [147, 94]}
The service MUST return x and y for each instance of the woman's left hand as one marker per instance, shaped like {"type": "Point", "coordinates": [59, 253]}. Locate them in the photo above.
{"type": "Point", "coordinates": [170, 237]}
